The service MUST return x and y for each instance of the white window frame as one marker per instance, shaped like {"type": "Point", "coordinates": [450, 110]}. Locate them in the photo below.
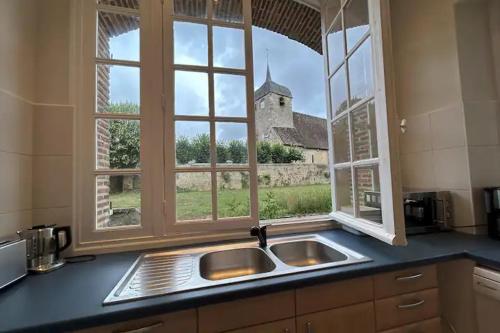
{"type": "Point", "coordinates": [84, 14]}
{"type": "Point", "coordinates": [392, 229]}
{"type": "Point", "coordinates": [158, 160]}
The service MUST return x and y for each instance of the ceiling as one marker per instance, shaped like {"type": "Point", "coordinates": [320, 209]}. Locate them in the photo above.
{"type": "Point", "coordinates": [311, 3]}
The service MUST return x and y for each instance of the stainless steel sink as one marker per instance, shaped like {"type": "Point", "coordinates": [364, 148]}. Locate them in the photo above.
{"type": "Point", "coordinates": [306, 253]}
{"type": "Point", "coordinates": [228, 264]}
{"type": "Point", "coordinates": [169, 272]}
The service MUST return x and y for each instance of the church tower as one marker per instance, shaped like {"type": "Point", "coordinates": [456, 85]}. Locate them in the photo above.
{"type": "Point", "coordinates": [273, 107]}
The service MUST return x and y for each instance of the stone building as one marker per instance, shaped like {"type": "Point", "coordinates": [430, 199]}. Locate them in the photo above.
{"type": "Point", "coordinates": [276, 122]}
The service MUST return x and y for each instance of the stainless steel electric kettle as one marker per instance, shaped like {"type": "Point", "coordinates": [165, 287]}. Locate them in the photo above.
{"type": "Point", "coordinates": [43, 246]}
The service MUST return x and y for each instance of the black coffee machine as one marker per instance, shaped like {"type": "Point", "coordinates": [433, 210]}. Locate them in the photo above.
{"type": "Point", "coordinates": [492, 201]}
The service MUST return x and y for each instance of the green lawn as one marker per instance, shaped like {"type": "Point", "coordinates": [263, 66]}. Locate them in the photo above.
{"type": "Point", "coordinates": [275, 202]}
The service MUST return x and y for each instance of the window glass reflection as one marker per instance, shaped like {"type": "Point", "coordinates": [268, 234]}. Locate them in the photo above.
{"type": "Point", "coordinates": [356, 21]}
{"type": "Point", "coordinates": [361, 73]}
{"type": "Point", "coordinates": [335, 42]}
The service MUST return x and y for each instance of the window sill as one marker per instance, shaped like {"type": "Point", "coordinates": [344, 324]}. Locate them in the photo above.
{"type": "Point", "coordinates": [275, 228]}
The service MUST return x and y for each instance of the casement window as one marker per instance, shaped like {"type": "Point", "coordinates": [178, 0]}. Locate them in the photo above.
{"type": "Point", "coordinates": [363, 130]}
{"type": "Point", "coordinates": [199, 75]}
{"type": "Point", "coordinates": [142, 105]}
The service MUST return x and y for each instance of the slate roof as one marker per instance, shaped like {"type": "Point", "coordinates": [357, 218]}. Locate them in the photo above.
{"type": "Point", "coordinates": [271, 87]}
{"type": "Point", "coordinates": [309, 132]}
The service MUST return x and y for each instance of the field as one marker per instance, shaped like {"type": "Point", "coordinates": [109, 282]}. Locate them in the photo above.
{"type": "Point", "coordinates": [277, 202]}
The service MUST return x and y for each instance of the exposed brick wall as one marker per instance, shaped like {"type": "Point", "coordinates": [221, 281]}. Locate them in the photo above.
{"type": "Point", "coordinates": [103, 137]}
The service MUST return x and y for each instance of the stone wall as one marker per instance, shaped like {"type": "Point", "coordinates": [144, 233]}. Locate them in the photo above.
{"type": "Point", "coordinates": [269, 175]}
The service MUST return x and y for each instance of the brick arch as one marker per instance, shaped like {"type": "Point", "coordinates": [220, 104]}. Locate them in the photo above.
{"type": "Point", "coordinates": [286, 17]}
{"type": "Point", "coordinates": [289, 18]}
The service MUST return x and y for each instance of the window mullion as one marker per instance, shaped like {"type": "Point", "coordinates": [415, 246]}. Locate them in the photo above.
{"type": "Point", "coordinates": [353, 169]}
{"type": "Point", "coordinates": [211, 110]}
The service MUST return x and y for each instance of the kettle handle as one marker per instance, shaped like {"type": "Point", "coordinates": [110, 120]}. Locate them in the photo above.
{"type": "Point", "coordinates": [67, 232]}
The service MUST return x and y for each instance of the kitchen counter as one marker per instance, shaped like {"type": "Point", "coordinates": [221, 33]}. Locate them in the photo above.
{"type": "Point", "coordinates": [71, 298]}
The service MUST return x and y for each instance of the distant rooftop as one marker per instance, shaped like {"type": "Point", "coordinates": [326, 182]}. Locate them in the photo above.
{"type": "Point", "coordinates": [308, 132]}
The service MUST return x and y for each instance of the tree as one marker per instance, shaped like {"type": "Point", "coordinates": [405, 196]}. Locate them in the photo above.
{"type": "Point", "coordinates": [264, 152]}
{"type": "Point", "coordinates": [237, 151]}
{"type": "Point", "coordinates": [278, 153]}
{"type": "Point", "coordinates": [183, 150]}
{"type": "Point", "coordinates": [201, 148]}
{"type": "Point", "coordinates": [124, 148]}
{"type": "Point", "coordinates": [282, 154]}
{"type": "Point", "coordinates": [294, 155]}
{"type": "Point", "coordinates": [129, 108]}
{"type": "Point", "coordinates": [222, 152]}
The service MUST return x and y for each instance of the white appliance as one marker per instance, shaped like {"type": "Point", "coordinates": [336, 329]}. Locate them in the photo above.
{"type": "Point", "coordinates": [487, 291]}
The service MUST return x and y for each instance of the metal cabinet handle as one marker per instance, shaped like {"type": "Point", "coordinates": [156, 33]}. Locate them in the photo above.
{"type": "Point", "coordinates": [486, 286]}
{"type": "Point", "coordinates": [309, 327]}
{"type": "Point", "coordinates": [286, 330]}
{"type": "Point", "coordinates": [144, 329]}
{"type": "Point", "coordinates": [409, 277]}
{"type": "Point", "coordinates": [412, 305]}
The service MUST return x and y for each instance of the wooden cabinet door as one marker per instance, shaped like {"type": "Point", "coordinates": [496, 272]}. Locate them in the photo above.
{"type": "Point", "coordinates": [176, 322]}
{"type": "Point", "coordinates": [359, 318]}
{"type": "Point", "coordinates": [282, 326]}
{"type": "Point", "coordinates": [246, 312]}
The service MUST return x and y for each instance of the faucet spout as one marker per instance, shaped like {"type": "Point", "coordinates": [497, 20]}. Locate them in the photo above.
{"type": "Point", "coordinates": [261, 234]}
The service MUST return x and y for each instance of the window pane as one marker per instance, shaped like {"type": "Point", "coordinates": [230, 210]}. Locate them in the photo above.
{"type": "Point", "coordinates": [341, 145]}
{"type": "Point", "coordinates": [343, 191]}
{"type": "Point", "coordinates": [194, 8]}
{"type": "Point", "coordinates": [134, 4]}
{"type": "Point", "coordinates": [228, 10]}
{"type": "Point", "coordinates": [356, 21]}
{"type": "Point", "coordinates": [361, 73]}
{"type": "Point", "coordinates": [233, 194]}
{"type": "Point", "coordinates": [190, 44]}
{"type": "Point", "coordinates": [335, 42]}
{"type": "Point", "coordinates": [193, 196]}
{"type": "Point", "coordinates": [364, 132]}
{"type": "Point", "coordinates": [293, 190]}
{"type": "Point", "coordinates": [230, 95]}
{"type": "Point", "coordinates": [192, 142]}
{"type": "Point", "coordinates": [117, 144]}
{"type": "Point", "coordinates": [368, 188]}
{"type": "Point", "coordinates": [118, 201]}
{"type": "Point", "coordinates": [191, 93]}
{"type": "Point", "coordinates": [118, 37]}
{"type": "Point", "coordinates": [232, 147]}
{"type": "Point", "coordinates": [229, 47]}
{"type": "Point", "coordinates": [338, 91]}
{"type": "Point", "coordinates": [118, 89]}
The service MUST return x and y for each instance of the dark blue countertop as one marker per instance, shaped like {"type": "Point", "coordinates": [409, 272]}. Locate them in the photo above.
{"type": "Point", "coordinates": [71, 298]}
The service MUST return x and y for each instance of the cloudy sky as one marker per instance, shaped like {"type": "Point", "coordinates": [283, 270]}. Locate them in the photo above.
{"type": "Point", "coordinates": [292, 64]}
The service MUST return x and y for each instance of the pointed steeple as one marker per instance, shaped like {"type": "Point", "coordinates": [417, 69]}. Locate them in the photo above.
{"type": "Point", "coordinates": [269, 86]}
{"type": "Point", "coordinates": [268, 75]}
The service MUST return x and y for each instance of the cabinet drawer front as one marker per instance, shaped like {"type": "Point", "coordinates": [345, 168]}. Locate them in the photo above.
{"type": "Point", "coordinates": [282, 326]}
{"type": "Point", "coordinates": [246, 312]}
{"type": "Point", "coordinates": [426, 326]}
{"type": "Point", "coordinates": [182, 321]}
{"type": "Point", "coordinates": [404, 309]}
{"type": "Point", "coordinates": [334, 295]}
{"type": "Point", "coordinates": [405, 281]}
{"type": "Point", "coordinates": [357, 318]}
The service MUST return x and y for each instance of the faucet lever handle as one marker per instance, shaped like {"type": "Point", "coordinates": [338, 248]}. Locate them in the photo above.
{"type": "Point", "coordinates": [254, 231]}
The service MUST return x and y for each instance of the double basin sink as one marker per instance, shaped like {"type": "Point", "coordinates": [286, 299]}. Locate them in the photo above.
{"type": "Point", "coordinates": [169, 272]}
